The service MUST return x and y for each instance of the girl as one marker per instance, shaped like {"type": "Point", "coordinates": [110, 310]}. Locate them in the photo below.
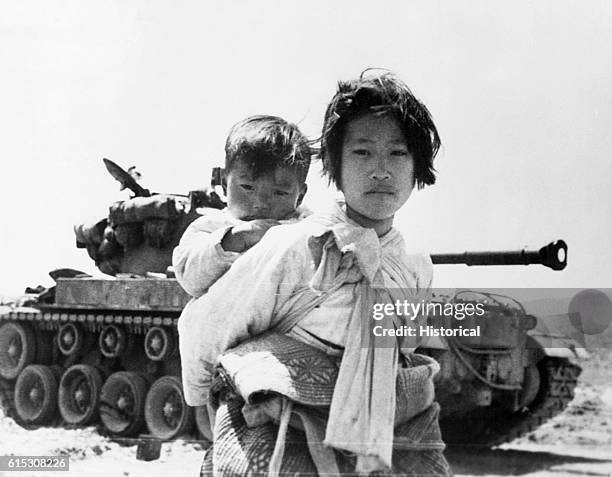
{"type": "Point", "coordinates": [317, 282]}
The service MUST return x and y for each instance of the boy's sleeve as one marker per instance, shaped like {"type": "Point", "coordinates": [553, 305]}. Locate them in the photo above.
{"type": "Point", "coordinates": [199, 259]}
{"type": "Point", "coordinates": [241, 304]}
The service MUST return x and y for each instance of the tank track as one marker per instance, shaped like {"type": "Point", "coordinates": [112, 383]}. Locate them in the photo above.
{"type": "Point", "coordinates": [559, 378]}
{"type": "Point", "coordinates": [7, 398]}
{"type": "Point", "coordinates": [52, 320]}
{"type": "Point", "coordinates": [7, 404]}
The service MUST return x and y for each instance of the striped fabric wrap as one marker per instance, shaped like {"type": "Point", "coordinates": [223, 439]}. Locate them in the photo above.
{"type": "Point", "coordinates": [275, 367]}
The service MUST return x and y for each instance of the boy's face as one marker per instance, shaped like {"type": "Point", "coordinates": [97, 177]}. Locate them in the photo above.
{"type": "Point", "coordinates": [377, 172]}
{"type": "Point", "coordinates": [272, 195]}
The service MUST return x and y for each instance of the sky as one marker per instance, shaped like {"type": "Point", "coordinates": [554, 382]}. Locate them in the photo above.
{"type": "Point", "coordinates": [521, 93]}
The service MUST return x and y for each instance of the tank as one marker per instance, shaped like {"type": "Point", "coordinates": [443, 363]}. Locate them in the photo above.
{"type": "Point", "coordinates": [92, 351]}
{"type": "Point", "coordinates": [514, 376]}
{"type": "Point", "coordinates": [104, 351]}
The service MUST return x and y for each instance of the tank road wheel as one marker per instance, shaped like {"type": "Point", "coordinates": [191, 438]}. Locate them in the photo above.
{"type": "Point", "coordinates": [113, 341]}
{"type": "Point", "coordinates": [122, 403]}
{"type": "Point", "coordinates": [36, 394]}
{"type": "Point", "coordinates": [79, 394]}
{"type": "Point", "coordinates": [158, 343]}
{"type": "Point", "coordinates": [17, 349]}
{"type": "Point", "coordinates": [70, 339]}
{"type": "Point", "coordinates": [166, 412]}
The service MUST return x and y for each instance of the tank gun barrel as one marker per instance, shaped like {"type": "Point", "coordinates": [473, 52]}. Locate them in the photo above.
{"type": "Point", "coordinates": [553, 255]}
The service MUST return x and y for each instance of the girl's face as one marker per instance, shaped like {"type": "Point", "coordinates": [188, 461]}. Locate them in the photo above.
{"type": "Point", "coordinates": [377, 172]}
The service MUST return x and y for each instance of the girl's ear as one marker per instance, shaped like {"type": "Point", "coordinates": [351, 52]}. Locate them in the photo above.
{"type": "Point", "coordinates": [303, 190]}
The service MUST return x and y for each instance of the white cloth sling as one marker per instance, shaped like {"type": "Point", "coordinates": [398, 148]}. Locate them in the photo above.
{"type": "Point", "coordinates": [362, 412]}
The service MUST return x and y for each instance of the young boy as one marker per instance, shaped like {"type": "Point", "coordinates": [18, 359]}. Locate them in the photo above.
{"type": "Point", "coordinates": [266, 164]}
{"type": "Point", "coordinates": [317, 281]}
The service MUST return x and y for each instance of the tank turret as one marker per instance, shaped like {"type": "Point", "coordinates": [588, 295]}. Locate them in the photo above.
{"type": "Point", "coordinates": [139, 234]}
{"type": "Point", "coordinates": [104, 351]}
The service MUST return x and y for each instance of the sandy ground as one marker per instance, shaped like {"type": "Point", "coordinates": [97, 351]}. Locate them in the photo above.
{"type": "Point", "coordinates": [578, 442]}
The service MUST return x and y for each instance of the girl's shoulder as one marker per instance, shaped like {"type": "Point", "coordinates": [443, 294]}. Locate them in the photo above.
{"type": "Point", "coordinates": [423, 269]}
{"type": "Point", "coordinates": [423, 266]}
{"type": "Point", "coordinates": [417, 262]}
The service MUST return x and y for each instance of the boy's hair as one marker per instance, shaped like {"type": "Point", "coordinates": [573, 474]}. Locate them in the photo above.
{"type": "Point", "coordinates": [264, 143]}
{"type": "Point", "coordinates": [381, 93]}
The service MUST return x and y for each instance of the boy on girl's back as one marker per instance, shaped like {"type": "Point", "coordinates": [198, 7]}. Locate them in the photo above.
{"type": "Point", "coordinates": [266, 164]}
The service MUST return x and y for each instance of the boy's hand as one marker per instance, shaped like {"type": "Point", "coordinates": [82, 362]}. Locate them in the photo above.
{"type": "Point", "coordinates": [242, 237]}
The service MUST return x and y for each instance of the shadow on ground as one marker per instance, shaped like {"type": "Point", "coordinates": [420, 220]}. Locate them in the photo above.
{"type": "Point", "coordinates": [482, 461]}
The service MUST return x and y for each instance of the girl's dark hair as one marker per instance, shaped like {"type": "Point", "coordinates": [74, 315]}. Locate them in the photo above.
{"type": "Point", "coordinates": [379, 93]}
{"type": "Point", "coordinates": [264, 143]}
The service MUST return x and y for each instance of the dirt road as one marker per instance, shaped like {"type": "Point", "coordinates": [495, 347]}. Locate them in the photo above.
{"type": "Point", "coordinates": [526, 460]}
{"type": "Point", "coordinates": [531, 460]}
{"type": "Point", "coordinates": [577, 442]}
